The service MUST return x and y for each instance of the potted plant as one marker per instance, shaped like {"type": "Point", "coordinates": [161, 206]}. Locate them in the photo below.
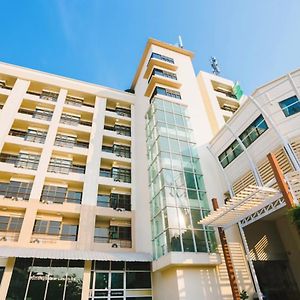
{"type": "Point", "coordinates": [244, 295]}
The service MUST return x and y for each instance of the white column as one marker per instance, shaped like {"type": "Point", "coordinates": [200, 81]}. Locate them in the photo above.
{"type": "Point", "coordinates": [90, 186]}
{"type": "Point", "coordinates": [40, 176]}
{"type": "Point", "coordinates": [11, 107]}
{"type": "Point", "coordinates": [47, 149]}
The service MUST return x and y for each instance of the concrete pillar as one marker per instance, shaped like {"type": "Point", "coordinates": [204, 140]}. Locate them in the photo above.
{"type": "Point", "coordinates": [7, 277]}
{"type": "Point", "coordinates": [39, 179]}
{"type": "Point", "coordinates": [90, 186]}
{"type": "Point", "coordinates": [11, 107]}
{"type": "Point", "coordinates": [86, 280]}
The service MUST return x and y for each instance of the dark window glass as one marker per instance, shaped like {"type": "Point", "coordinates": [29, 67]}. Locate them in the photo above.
{"type": "Point", "coordinates": [36, 289]}
{"type": "Point", "coordinates": [187, 239]}
{"type": "Point", "coordinates": [101, 281]}
{"type": "Point", "coordinates": [18, 282]}
{"type": "Point", "coordinates": [4, 220]}
{"type": "Point", "coordinates": [103, 200]}
{"type": "Point", "coordinates": [117, 281]}
{"type": "Point", "coordinates": [69, 232]}
{"type": "Point", "coordinates": [137, 266]}
{"type": "Point", "coordinates": [138, 280]}
{"type": "Point", "coordinates": [253, 131]}
{"type": "Point", "coordinates": [117, 265]}
{"type": "Point", "coordinates": [15, 224]}
{"type": "Point", "coordinates": [290, 106]}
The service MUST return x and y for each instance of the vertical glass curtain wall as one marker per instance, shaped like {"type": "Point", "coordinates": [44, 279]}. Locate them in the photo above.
{"type": "Point", "coordinates": [178, 196]}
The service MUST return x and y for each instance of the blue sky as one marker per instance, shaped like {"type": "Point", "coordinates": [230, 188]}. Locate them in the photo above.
{"type": "Point", "coordinates": [102, 41]}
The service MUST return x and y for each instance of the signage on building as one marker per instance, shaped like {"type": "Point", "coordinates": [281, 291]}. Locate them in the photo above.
{"type": "Point", "coordinates": [238, 92]}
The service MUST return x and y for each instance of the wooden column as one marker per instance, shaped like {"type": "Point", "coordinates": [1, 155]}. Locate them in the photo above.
{"type": "Point", "coordinates": [227, 257]}
{"type": "Point", "coordinates": [288, 198]}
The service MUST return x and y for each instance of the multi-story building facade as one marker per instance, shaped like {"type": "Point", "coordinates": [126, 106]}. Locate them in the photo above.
{"type": "Point", "coordinates": [267, 122]}
{"type": "Point", "coordinates": [102, 190]}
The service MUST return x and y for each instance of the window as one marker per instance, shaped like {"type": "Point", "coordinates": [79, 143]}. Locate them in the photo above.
{"type": "Point", "coordinates": [162, 57]}
{"type": "Point", "coordinates": [290, 106]}
{"type": "Point", "coordinates": [101, 235]}
{"type": "Point", "coordinates": [120, 233]}
{"type": "Point", "coordinates": [46, 227]}
{"type": "Point", "coordinates": [105, 172]}
{"type": "Point", "coordinates": [42, 114]}
{"type": "Point", "coordinates": [64, 140]}
{"type": "Point", "coordinates": [103, 200]}
{"type": "Point", "coordinates": [122, 175]}
{"type": "Point", "coordinates": [57, 194]}
{"type": "Point", "coordinates": [163, 73]}
{"type": "Point", "coordinates": [123, 112]}
{"type": "Point", "coordinates": [69, 119]}
{"type": "Point", "coordinates": [16, 189]}
{"type": "Point", "coordinates": [166, 92]}
{"type": "Point", "coordinates": [248, 136]}
{"type": "Point", "coordinates": [232, 152]}
{"type": "Point", "coordinates": [49, 96]}
{"type": "Point", "coordinates": [36, 136]}
{"type": "Point", "coordinates": [123, 130]}
{"type": "Point", "coordinates": [120, 201]}
{"type": "Point", "coordinates": [69, 232]}
{"type": "Point", "coordinates": [12, 224]}
{"type": "Point", "coordinates": [58, 165]}
{"type": "Point", "coordinates": [122, 151]}
{"type": "Point", "coordinates": [254, 131]}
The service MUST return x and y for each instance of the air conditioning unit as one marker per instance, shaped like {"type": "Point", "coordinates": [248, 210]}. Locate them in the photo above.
{"type": "Point", "coordinates": [49, 202]}
{"type": "Point", "coordinates": [114, 245]}
{"type": "Point", "coordinates": [14, 198]}
{"type": "Point", "coordinates": [36, 241]}
{"type": "Point", "coordinates": [119, 209]}
{"type": "Point", "coordinates": [3, 238]}
{"type": "Point", "coordinates": [20, 198]}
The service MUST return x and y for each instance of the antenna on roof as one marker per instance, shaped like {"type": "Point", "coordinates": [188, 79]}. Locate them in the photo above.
{"type": "Point", "coordinates": [214, 65]}
{"type": "Point", "coordinates": [180, 44]}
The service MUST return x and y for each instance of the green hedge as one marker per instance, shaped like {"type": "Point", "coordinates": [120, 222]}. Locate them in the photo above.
{"type": "Point", "coordinates": [294, 214]}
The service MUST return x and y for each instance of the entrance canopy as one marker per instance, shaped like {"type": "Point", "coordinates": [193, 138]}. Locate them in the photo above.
{"type": "Point", "coordinates": [250, 200]}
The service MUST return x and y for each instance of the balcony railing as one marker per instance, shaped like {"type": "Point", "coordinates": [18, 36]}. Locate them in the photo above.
{"type": "Point", "coordinates": [30, 136]}
{"type": "Point", "coordinates": [116, 243]}
{"type": "Point", "coordinates": [119, 129]}
{"type": "Point", "coordinates": [38, 238]}
{"type": "Point", "coordinates": [53, 168]}
{"type": "Point", "coordinates": [77, 102]}
{"type": "Point", "coordinates": [60, 200]}
{"type": "Point", "coordinates": [30, 162]}
{"type": "Point", "coordinates": [37, 114]}
{"type": "Point", "coordinates": [120, 111]}
{"type": "Point", "coordinates": [9, 236]}
{"type": "Point", "coordinates": [162, 57]}
{"type": "Point", "coordinates": [118, 202]}
{"type": "Point", "coordinates": [15, 190]}
{"type": "Point", "coordinates": [72, 120]}
{"type": "Point", "coordinates": [226, 93]}
{"type": "Point", "coordinates": [163, 74]}
{"type": "Point", "coordinates": [118, 174]}
{"type": "Point", "coordinates": [165, 92]}
{"type": "Point", "coordinates": [118, 150]}
{"type": "Point", "coordinates": [70, 142]}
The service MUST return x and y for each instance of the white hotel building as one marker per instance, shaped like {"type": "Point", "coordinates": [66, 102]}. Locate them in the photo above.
{"type": "Point", "coordinates": [102, 191]}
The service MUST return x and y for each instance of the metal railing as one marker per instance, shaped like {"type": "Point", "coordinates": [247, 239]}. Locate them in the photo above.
{"type": "Point", "coordinates": [116, 243]}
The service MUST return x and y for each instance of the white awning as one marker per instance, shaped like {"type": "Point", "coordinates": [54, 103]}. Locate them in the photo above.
{"type": "Point", "coordinates": [74, 254]}
{"type": "Point", "coordinates": [245, 203]}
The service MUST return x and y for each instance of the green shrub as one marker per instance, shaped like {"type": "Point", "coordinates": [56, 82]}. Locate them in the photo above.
{"type": "Point", "coordinates": [294, 214]}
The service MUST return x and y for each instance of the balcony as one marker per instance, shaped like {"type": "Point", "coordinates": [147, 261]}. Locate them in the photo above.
{"type": "Point", "coordinates": [69, 142]}
{"type": "Point", "coordinates": [119, 202]}
{"type": "Point", "coordinates": [50, 230]}
{"type": "Point", "coordinates": [165, 92]}
{"type": "Point", "coordinates": [76, 101]}
{"type": "Point", "coordinates": [123, 112]}
{"type": "Point", "coordinates": [116, 236]}
{"type": "Point", "coordinates": [74, 120]}
{"type": "Point", "coordinates": [161, 61]}
{"type": "Point", "coordinates": [22, 160]}
{"type": "Point", "coordinates": [119, 129]}
{"type": "Point", "coordinates": [60, 195]}
{"type": "Point", "coordinates": [118, 174]}
{"type": "Point", "coordinates": [118, 150]}
{"type": "Point", "coordinates": [31, 135]}
{"type": "Point", "coordinates": [15, 190]}
{"type": "Point", "coordinates": [64, 166]}
{"type": "Point", "coordinates": [37, 114]}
